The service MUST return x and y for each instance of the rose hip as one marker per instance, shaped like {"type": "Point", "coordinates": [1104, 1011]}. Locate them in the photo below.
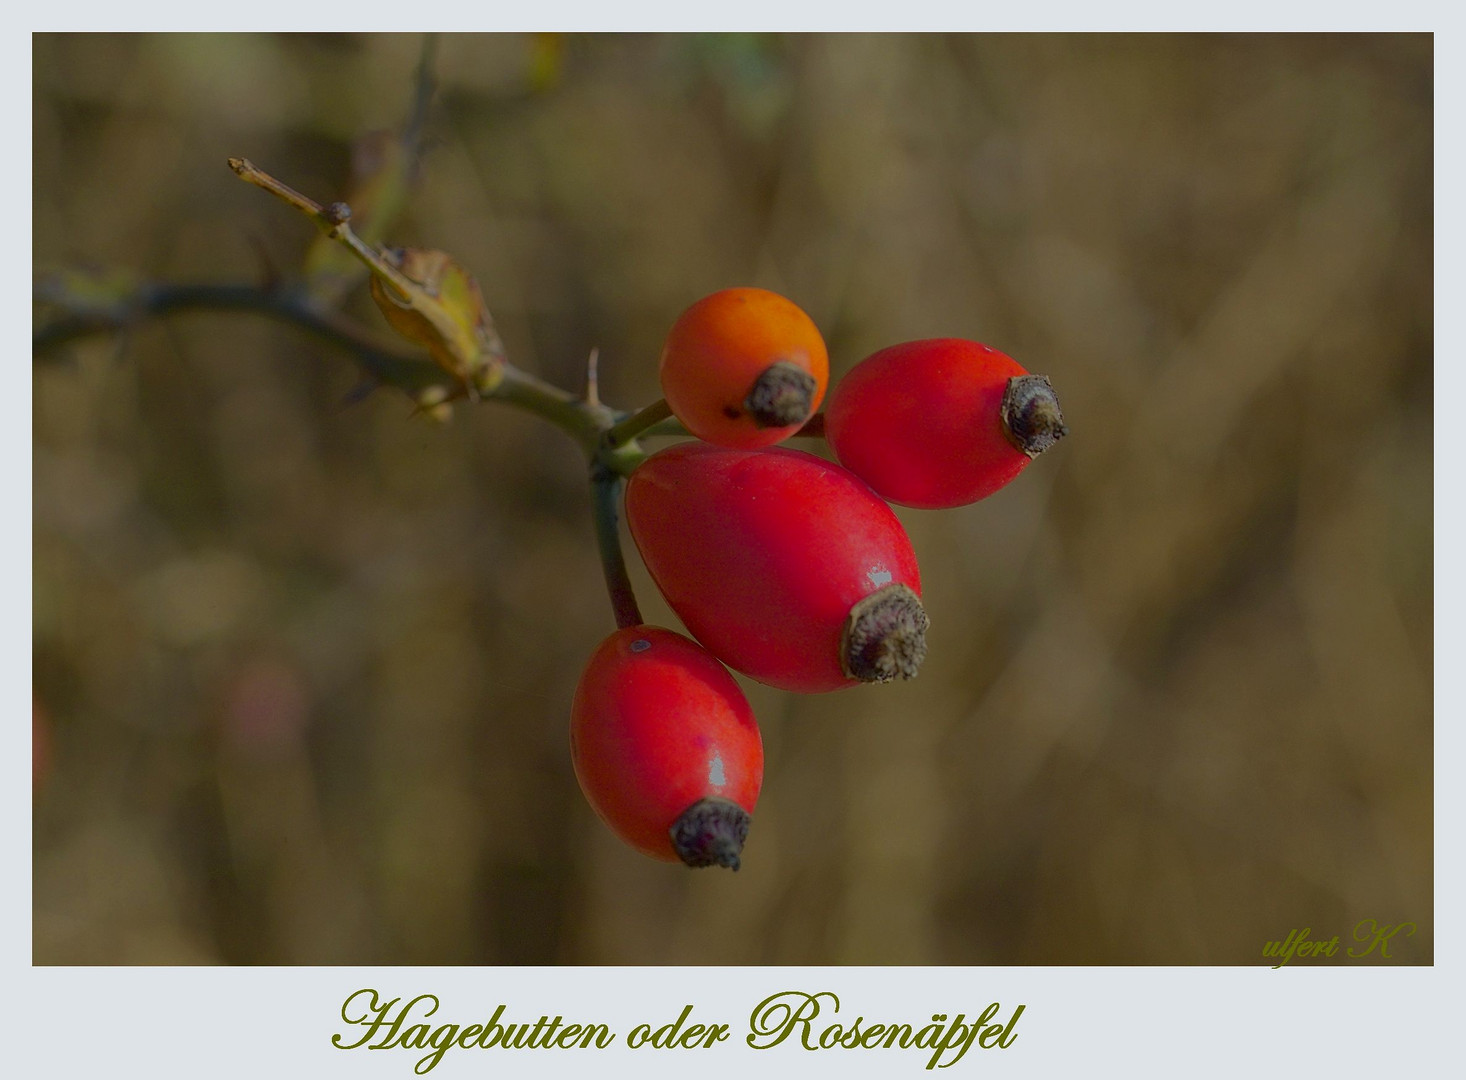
{"type": "Point", "coordinates": [940, 423]}
{"type": "Point", "coordinates": [666, 748]}
{"type": "Point", "coordinates": [784, 566]}
{"type": "Point", "coordinates": [744, 368]}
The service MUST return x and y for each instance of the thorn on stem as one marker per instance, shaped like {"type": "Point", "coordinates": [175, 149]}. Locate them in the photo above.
{"type": "Point", "coordinates": [593, 378]}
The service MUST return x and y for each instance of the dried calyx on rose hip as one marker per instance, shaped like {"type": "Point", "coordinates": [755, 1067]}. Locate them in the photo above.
{"type": "Point", "coordinates": [744, 368]}
{"type": "Point", "coordinates": [940, 423]}
{"type": "Point", "coordinates": [784, 566]}
{"type": "Point", "coordinates": [666, 748]}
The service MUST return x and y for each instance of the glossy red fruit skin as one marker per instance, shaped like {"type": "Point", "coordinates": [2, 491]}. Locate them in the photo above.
{"type": "Point", "coordinates": [920, 422]}
{"type": "Point", "coordinates": [654, 728]}
{"type": "Point", "coordinates": [763, 553]}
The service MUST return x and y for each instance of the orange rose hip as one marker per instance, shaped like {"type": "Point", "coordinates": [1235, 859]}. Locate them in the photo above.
{"type": "Point", "coordinates": [744, 368]}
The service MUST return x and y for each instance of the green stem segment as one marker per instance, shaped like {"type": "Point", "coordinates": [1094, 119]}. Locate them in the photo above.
{"type": "Point", "coordinates": [632, 426]}
{"type": "Point", "coordinates": [583, 422]}
{"type": "Point", "coordinates": [606, 498]}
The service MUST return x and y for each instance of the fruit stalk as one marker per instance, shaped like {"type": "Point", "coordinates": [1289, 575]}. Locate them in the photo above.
{"type": "Point", "coordinates": [606, 498]}
{"type": "Point", "coordinates": [639, 422]}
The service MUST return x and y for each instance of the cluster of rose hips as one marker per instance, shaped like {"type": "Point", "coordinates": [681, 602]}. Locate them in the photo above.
{"type": "Point", "coordinates": [783, 566]}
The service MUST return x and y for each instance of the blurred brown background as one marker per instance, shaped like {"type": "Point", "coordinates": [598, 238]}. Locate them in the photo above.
{"type": "Point", "coordinates": [306, 668]}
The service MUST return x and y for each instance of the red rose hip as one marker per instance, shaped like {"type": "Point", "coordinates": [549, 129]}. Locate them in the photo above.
{"type": "Point", "coordinates": [784, 566]}
{"type": "Point", "coordinates": [744, 368]}
{"type": "Point", "coordinates": [666, 748]}
{"type": "Point", "coordinates": [940, 423]}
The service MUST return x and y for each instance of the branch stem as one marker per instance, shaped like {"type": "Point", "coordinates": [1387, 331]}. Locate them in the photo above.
{"type": "Point", "coordinates": [333, 220]}
{"type": "Point", "coordinates": [606, 497]}
{"type": "Point", "coordinates": [476, 368]}
{"type": "Point", "coordinates": [574, 416]}
{"type": "Point", "coordinates": [246, 170]}
{"type": "Point", "coordinates": [632, 426]}
{"type": "Point", "coordinates": [410, 372]}
{"type": "Point", "coordinates": [583, 420]}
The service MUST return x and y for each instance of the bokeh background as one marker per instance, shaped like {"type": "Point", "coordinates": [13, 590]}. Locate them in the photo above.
{"type": "Point", "coordinates": [303, 669]}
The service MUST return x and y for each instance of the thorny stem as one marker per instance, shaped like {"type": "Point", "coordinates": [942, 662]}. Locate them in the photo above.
{"type": "Point", "coordinates": [408, 371]}
{"type": "Point", "coordinates": [585, 420]}
{"type": "Point", "coordinates": [606, 435]}
{"type": "Point", "coordinates": [333, 220]}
